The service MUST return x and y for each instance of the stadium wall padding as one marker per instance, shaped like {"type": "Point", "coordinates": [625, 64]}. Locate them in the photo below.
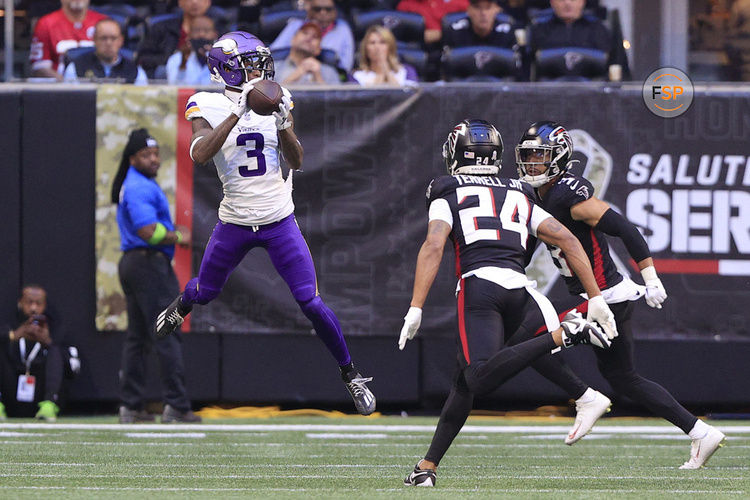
{"type": "Point", "coordinates": [10, 200]}
{"type": "Point", "coordinates": [48, 222]}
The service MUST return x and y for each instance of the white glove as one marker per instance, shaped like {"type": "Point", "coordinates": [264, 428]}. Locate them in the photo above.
{"type": "Point", "coordinates": [240, 108]}
{"type": "Point", "coordinates": [655, 292]}
{"type": "Point", "coordinates": [412, 320]}
{"type": "Point", "coordinates": [282, 115]}
{"type": "Point", "coordinates": [600, 312]}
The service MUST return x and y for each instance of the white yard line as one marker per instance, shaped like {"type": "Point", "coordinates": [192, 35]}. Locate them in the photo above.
{"type": "Point", "coordinates": [194, 435]}
{"type": "Point", "coordinates": [403, 489]}
{"type": "Point", "coordinates": [602, 477]}
{"type": "Point", "coordinates": [470, 428]}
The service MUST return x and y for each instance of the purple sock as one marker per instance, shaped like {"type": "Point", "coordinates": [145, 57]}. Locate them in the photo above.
{"type": "Point", "coordinates": [327, 328]}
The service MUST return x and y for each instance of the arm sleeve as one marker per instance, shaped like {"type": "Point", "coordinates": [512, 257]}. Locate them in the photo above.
{"type": "Point", "coordinates": [440, 210]}
{"type": "Point", "coordinates": [538, 215]}
{"type": "Point", "coordinates": [615, 224]}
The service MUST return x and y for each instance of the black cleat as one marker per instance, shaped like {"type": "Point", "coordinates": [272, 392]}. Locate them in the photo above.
{"type": "Point", "coordinates": [421, 477]}
{"type": "Point", "coordinates": [171, 317]}
{"type": "Point", "coordinates": [363, 398]}
{"type": "Point", "coordinates": [173, 415]}
{"type": "Point", "coordinates": [577, 330]}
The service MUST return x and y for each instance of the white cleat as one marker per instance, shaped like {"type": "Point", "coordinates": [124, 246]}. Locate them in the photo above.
{"type": "Point", "coordinates": [702, 449]}
{"type": "Point", "coordinates": [586, 416]}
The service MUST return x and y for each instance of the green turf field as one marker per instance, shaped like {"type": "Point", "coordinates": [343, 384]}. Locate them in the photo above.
{"type": "Point", "coordinates": [358, 458]}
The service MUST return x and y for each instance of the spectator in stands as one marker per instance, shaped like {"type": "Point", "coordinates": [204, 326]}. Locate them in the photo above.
{"type": "Point", "coordinates": [148, 239]}
{"type": "Point", "coordinates": [432, 11]}
{"type": "Point", "coordinates": [481, 27]}
{"type": "Point", "coordinates": [337, 35]}
{"type": "Point", "coordinates": [105, 61]}
{"type": "Point", "coordinates": [569, 27]}
{"type": "Point", "coordinates": [189, 65]}
{"type": "Point", "coordinates": [55, 33]}
{"type": "Point", "coordinates": [378, 60]}
{"type": "Point", "coordinates": [170, 35]}
{"type": "Point", "coordinates": [33, 360]}
{"type": "Point", "coordinates": [301, 66]}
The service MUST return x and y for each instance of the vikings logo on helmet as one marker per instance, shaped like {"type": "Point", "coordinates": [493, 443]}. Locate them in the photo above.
{"type": "Point", "coordinates": [235, 55]}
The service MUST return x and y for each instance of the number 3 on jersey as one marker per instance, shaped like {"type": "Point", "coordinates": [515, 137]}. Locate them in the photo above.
{"type": "Point", "coordinates": [257, 160]}
{"type": "Point", "coordinates": [513, 214]}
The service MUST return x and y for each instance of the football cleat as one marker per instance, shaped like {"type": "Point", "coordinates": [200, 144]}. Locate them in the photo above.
{"type": "Point", "coordinates": [171, 317]}
{"type": "Point", "coordinates": [128, 416]}
{"type": "Point", "coordinates": [702, 449]}
{"type": "Point", "coordinates": [172, 415]}
{"type": "Point", "coordinates": [48, 411]}
{"type": "Point", "coordinates": [586, 416]}
{"type": "Point", "coordinates": [421, 477]}
{"type": "Point", "coordinates": [364, 400]}
{"type": "Point", "coordinates": [577, 330]}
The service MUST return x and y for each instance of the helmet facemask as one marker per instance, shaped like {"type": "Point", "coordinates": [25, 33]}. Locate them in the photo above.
{"type": "Point", "coordinates": [543, 153]}
{"type": "Point", "coordinates": [536, 164]}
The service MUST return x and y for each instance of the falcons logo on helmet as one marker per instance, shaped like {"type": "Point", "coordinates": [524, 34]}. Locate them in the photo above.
{"type": "Point", "coordinates": [561, 137]}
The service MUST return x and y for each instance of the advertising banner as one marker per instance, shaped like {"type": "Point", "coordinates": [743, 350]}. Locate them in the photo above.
{"type": "Point", "coordinates": [370, 154]}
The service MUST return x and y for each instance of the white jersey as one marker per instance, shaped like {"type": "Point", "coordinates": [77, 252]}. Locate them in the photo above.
{"type": "Point", "coordinates": [247, 163]}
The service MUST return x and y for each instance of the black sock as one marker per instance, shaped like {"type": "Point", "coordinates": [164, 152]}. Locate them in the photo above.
{"type": "Point", "coordinates": [346, 370]}
{"type": "Point", "coordinates": [452, 418]}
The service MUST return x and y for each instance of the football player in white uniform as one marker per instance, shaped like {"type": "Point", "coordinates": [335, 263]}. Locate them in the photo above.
{"type": "Point", "coordinates": [257, 207]}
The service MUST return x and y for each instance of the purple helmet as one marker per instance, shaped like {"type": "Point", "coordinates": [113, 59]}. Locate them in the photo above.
{"type": "Point", "coordinates": [237, 53]}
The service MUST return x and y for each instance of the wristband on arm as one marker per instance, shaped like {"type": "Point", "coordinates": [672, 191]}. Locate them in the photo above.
{"type": "Point", "coordinates": [615, 224]}
{"type": "Point", "coordinates": [159, 234]}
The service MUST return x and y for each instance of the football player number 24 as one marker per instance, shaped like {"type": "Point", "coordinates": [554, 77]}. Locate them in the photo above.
{"type": "Point", "coordinates": [513, 214]}
{"type": "Point", "coordinates": [257, 167]}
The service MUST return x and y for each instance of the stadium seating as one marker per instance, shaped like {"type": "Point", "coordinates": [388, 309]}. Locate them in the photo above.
{"type": "Point", "coordinates": [480, 63]}
{"type": "Point", "coordinates": [407, 27]}
{"type": "Point", "coordinates": [271, 23]}
{"type": "Point", "coordinates": [571, 64]}
{"type": "Point", "coordinates": [416, 58]}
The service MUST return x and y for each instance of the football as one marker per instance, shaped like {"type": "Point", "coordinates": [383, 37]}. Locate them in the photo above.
{"type": "Point", "coordinates": [265, 97]}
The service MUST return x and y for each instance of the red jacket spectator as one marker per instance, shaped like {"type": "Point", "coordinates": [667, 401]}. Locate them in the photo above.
{"type": "Point", "coordinates": [54, 34]}
{"type": "Point", "coordinates": [433, 12]}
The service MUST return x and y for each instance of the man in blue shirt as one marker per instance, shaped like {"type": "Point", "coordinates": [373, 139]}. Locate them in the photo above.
{"type": "Point", "coordinates": [148, 237]}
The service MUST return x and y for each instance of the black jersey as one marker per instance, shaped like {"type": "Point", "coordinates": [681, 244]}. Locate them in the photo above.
{"type": "Point", "coordinates": [570, 190]}
{"type": "Point", "coordinates": [492, 219]}
{"type": "Point", "coordinates": [461, 34]}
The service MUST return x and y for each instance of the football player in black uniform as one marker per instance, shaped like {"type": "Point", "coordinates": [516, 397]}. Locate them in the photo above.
{"type": "Point", "coordinates": [543, 156]}
{"type": "Point", "coordinates": [490, 220]}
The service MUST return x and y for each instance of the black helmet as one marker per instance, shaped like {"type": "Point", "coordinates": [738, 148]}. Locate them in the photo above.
{"type": "Point", "coordinates": [551, 143]}
{"type": "Point", "coordinates": [473, 147]}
